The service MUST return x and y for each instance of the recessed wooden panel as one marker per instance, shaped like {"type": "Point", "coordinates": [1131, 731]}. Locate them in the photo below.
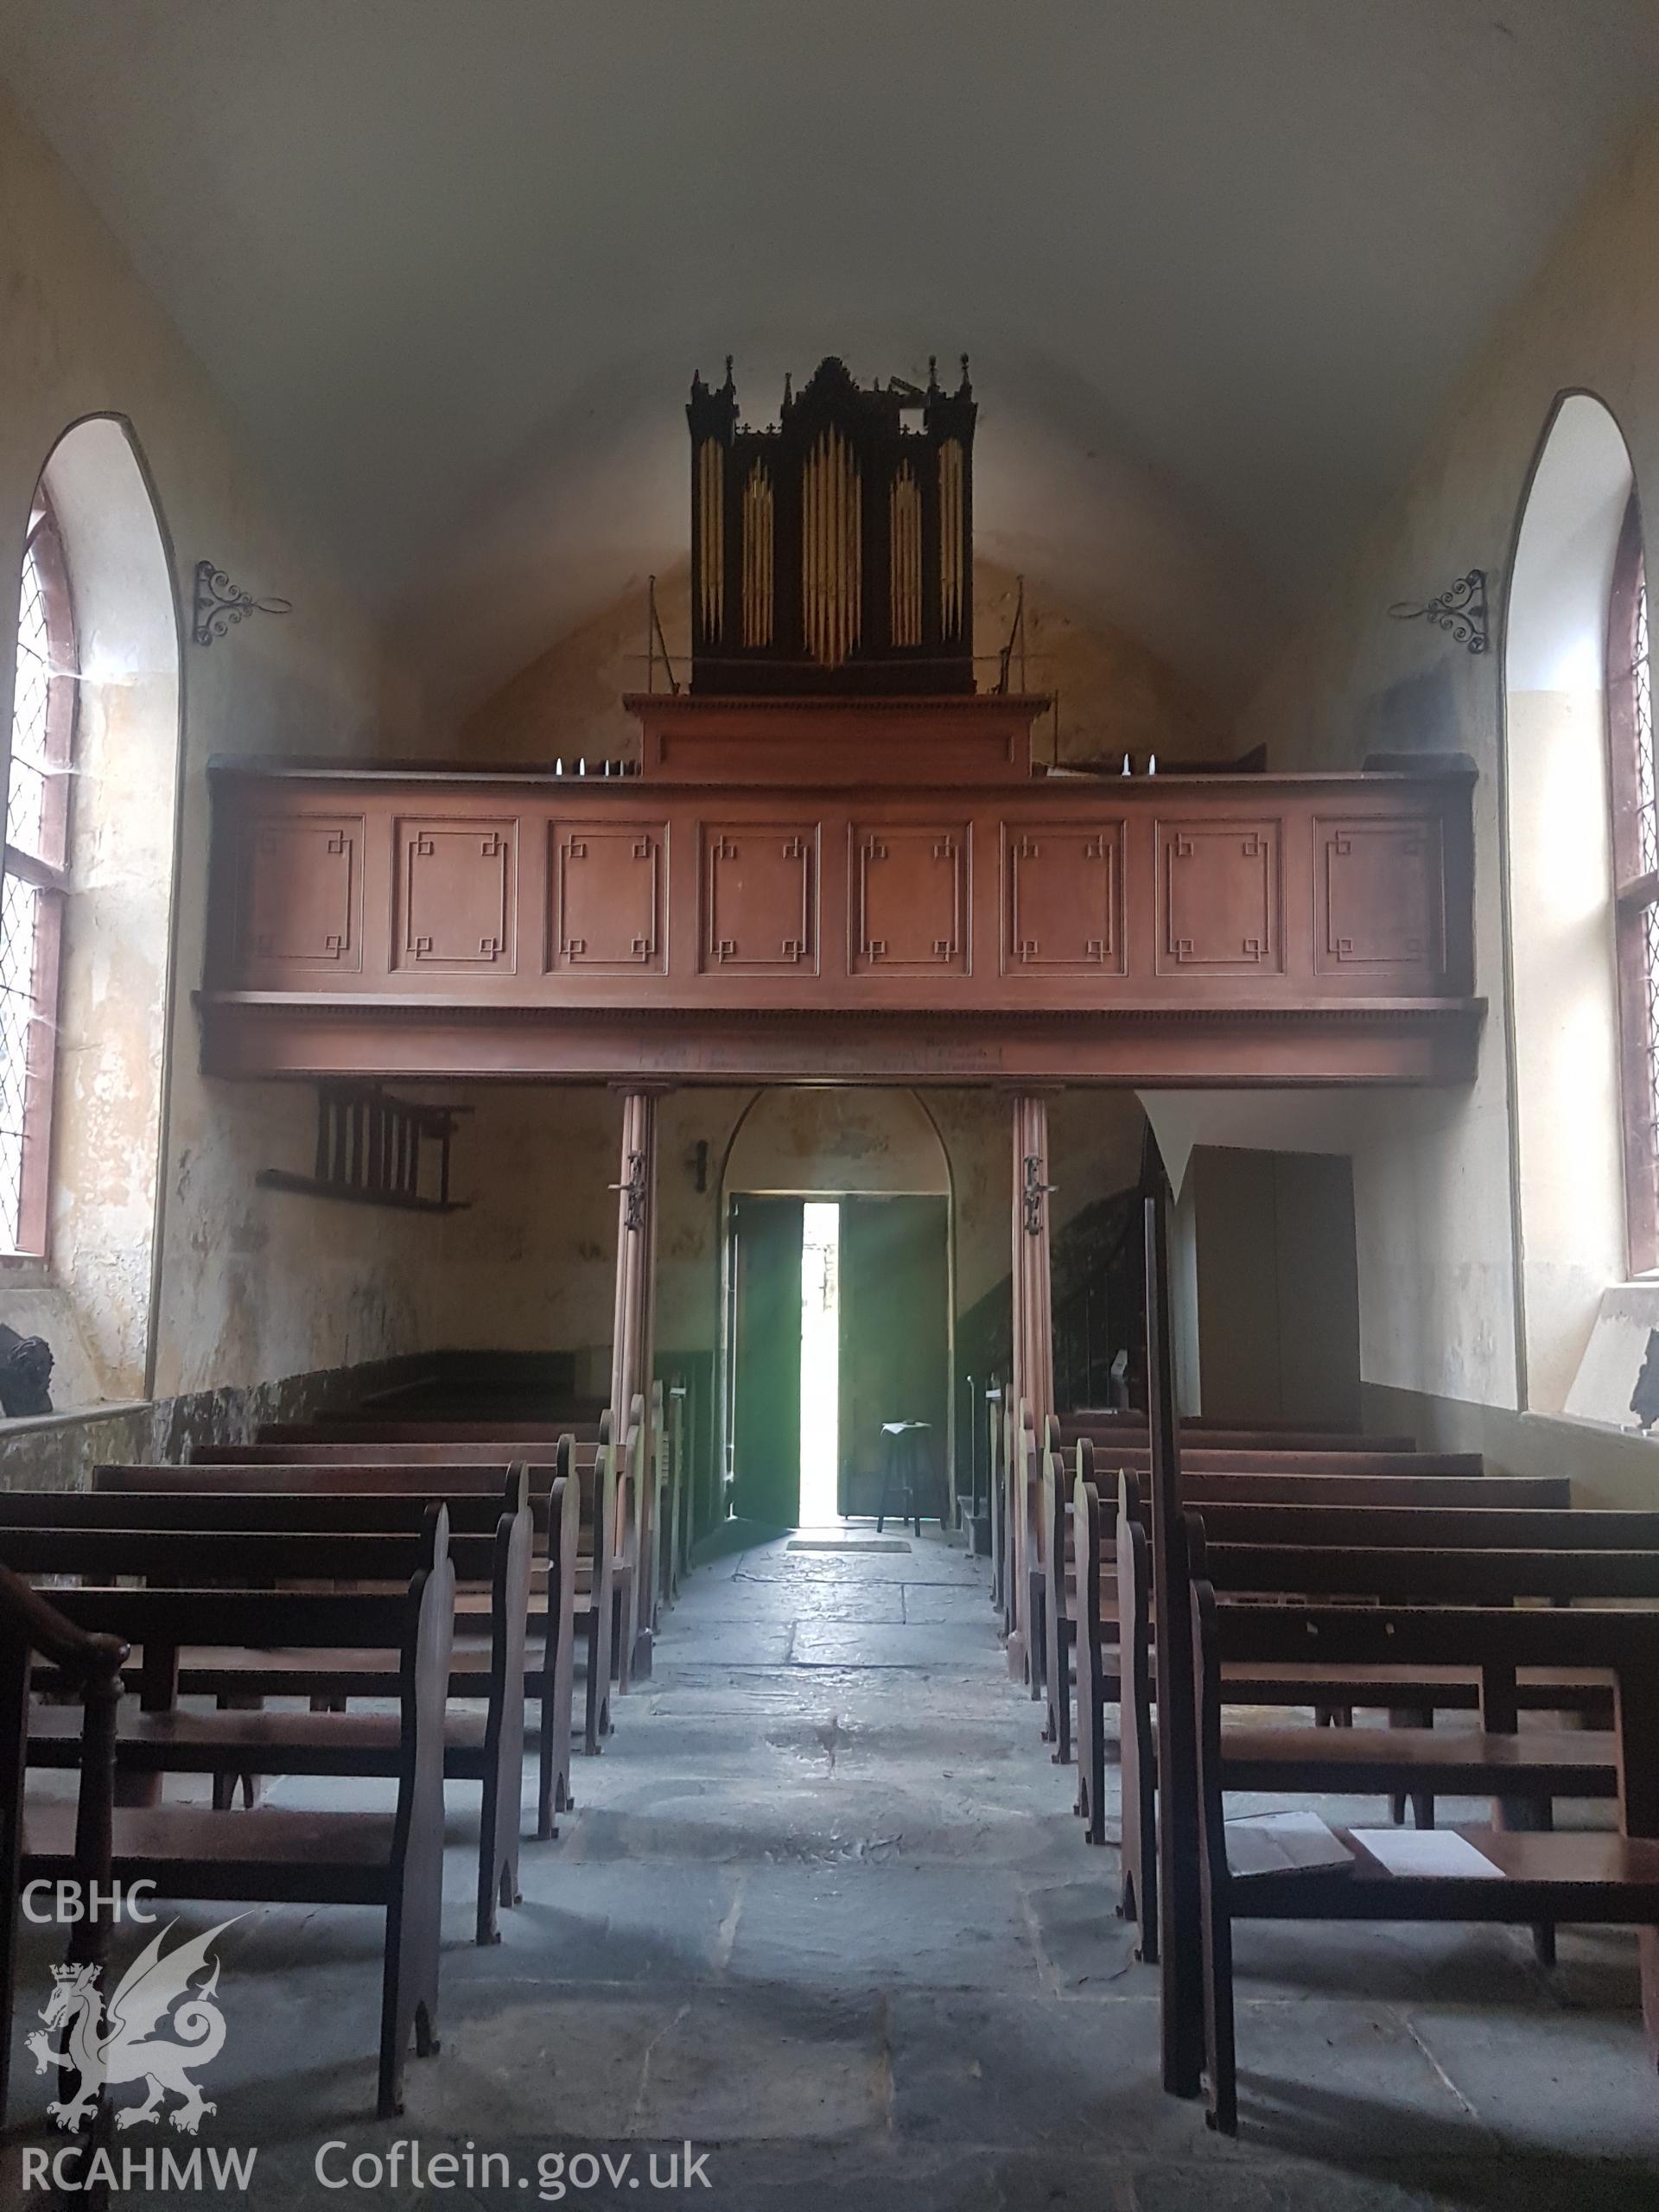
{"type": "Point", "coordinates": [760, 898]}
{"type": "Point", "coordinates": [1219, 899]}
{"type": "Point", "coordinates": [1381, 891]}
{"type": "Point", "coordinates": [301, 881]}
{"type": "Point", "coordinates": [606, 881]}
{"type": "Point", "coordinates": [1064, 903]}
{"type": "Point", "coordinates": [1238, 928]}
{"type": "Point", "coordinates": [907, 902]}
{"type": "Point", "coordinates": [457, 893]}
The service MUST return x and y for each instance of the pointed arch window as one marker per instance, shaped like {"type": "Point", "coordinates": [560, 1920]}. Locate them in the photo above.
{"type": "Point", "coordinates": [36, 879]}
{"type": "Point", "coordinates": [1636, 885]}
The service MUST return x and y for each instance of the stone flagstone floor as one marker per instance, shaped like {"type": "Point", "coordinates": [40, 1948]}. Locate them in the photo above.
{"type": "Point", "coordinates": [824, 1912]}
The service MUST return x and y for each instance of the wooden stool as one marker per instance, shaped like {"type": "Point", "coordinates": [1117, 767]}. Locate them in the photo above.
{"type": "Point", "coordinates": [904, 1461]}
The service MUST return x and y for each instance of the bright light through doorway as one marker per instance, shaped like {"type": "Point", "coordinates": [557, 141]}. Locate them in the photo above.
{"type": "Point", "coordinates": [820, 1362]}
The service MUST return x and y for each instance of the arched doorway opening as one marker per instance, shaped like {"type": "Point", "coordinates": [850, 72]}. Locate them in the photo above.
{"type": "Point", "coordinates": [838, 1305]}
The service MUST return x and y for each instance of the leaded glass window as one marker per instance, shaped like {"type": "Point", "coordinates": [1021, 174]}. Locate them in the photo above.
{"type": "Point", "coordinates": [33, 882]}
{"type": "Point", "coordinates": [1635, 872]}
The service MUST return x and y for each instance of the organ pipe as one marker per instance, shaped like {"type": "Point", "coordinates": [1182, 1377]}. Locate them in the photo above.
{"type": "Point", "coordinates": [757, 558]}
{"type": "Point", "coordinates": [905, 542]}
{"type": "Point", "coordinates": [951, 535]}
{"type": "Point", "coordinates": [711, 535]}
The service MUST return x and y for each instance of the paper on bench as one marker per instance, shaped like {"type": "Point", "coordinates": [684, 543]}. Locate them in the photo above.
{"type": "Point", "coordinates": [1282, 1843]}
{"type": "Point", "coordinates": [1440, 1852]}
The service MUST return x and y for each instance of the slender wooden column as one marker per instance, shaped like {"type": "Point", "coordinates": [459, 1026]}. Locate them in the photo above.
{"type": "Point", "coordinates": [1013, 1454]}
{"type": "Point", "coordinates": [650, 1502]}
{"type": "Point", "coordinates": [1039, 1295]}
{"type": "Point", "coordinates": [625, 1366]}
{"type": "Point", "coordinates": [624, 1331]}
{"type": "Point", "coordinates": [633, 1350]}
{"type": "Point", "coordinates": [1181, 1954]}
{"type": "Point", "coordinates": [1032, 1395]}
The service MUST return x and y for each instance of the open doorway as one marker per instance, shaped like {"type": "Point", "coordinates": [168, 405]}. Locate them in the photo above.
{"type": "Point", "coordinates": [820, 1362]}
{"type": "Point", "coordinates": [840, 1325]}
{"type": "Point", "coordinates": [839, 1271]}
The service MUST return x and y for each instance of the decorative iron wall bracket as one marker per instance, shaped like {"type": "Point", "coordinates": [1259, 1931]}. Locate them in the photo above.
{"type": "Point", "coordinates": [633, 1187]}
{"type": "Point", "coordinates": [1461, 609]}
{"type": "Point", "coordinates": [219, 603]}
{"type": "Point", "coordinates": [1035, 1192]}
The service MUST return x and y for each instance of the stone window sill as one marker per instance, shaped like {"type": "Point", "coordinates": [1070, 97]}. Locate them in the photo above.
{"type": "Point", "coordinates": [28, 1423]}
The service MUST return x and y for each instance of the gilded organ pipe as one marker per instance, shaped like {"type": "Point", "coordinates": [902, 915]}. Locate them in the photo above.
{"type": "Point", "coordinates": [757, 558]}
{"type": "Point", "coordinates": [904, 542]}
{"type": "Point", "coordinates": [831, 549]}
{"type": "Point", "coordinates": [950, 546]}
{"type": "Point", "coordinates": [711, 535]}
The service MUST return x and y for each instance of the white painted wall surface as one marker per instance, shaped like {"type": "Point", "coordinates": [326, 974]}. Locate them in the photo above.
{"type": "Point", "coordinates": [1434, 1181]}
{"type": "Point", "coordinates": [253, 1284]}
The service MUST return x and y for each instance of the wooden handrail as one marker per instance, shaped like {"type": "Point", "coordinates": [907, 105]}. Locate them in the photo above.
{"type": "Point", "coordinates": [87, 1660]}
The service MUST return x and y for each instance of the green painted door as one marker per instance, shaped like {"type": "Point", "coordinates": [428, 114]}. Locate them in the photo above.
{"type": "Point", "coordinates": [766, 1368]}
{"type": "Point", "coordinates": [894, 1335]}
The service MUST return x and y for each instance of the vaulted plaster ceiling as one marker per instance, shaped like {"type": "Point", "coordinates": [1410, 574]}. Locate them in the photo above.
{"type": "Point", "coordinates": [452, 262]}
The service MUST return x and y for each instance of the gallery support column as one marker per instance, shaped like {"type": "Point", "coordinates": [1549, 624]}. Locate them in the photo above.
{"type": "Point", "coordinates": [1032, 1394]}
{"type": "Point", "coordinates": [1181, 1964]}
{"type": "Point", "coordinates": [1034, 1188]}
{"type": "Point", "coordinates": [633, 1331]}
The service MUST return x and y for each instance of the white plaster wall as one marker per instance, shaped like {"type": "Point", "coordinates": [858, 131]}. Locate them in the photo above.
{"type": "Point", "coordinates": [1115, 694]}
{"type": "Point", "coordinates": [1433, 1182]}
{"type": "Point", "coordinates": [253, 1284]}
{"type": "Point", "coordinates": [817, 1139]}
{"type": "Point", "coordinates": [530, 1263]}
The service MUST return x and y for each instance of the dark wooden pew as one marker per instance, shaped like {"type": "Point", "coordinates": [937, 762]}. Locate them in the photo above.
{"type": "Point", "coordinates": [483, 1747]}
{"type": "Point", "coordinates": [632, 1470]}
{"type": "Point", "coordinates": [1113, 1608]}
{"type": "Point", "coordinates": [1542, 1878]}
{"type": "Point", "coordinates": [33, 1631]}
{"type": "Point", "coordinates": [643, 1479]}
{"type": "Point", "coordinates": [1020, 1519]}
{"type": "Point", "coordinates": [457, 1429]}
{"type": "Point", "coordinates": [1051, 1475]}
{"type": "Point", "coordinates": [371, 1495]}
{"type": "Point", "coordinates": [393, 1861]}
{"type": "Point", "coordinates": [1196, 1433]}
{"type": "Point", "coordinates": [588, 1589]}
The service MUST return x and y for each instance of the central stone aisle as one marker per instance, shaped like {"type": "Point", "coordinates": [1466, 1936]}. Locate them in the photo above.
{"type": "Point", "coordinates": [825, 1906]}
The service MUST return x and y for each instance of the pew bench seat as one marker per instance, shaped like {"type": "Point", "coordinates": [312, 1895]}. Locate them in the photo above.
{"type": "Point", "coordinates": [271, 1854]}
{"type": "Point", "coordinates": [389, 1860]}
{"type": "Point", "coordinates": [233, 1743]}
{"type": "Point", "coordinates": [1533, 1874]}
{"type": "Point", "coordinates": [1541, 1763]}
{"type": "Point", "coordinates": [223, 1670]}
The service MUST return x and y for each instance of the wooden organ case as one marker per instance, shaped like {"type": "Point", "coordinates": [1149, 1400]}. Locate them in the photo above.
{"type": "Point", "coordinates": [833, 553]}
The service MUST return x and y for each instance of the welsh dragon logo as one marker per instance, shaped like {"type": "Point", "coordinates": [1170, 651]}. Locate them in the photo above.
{"type": "Point", "coordinates": [121, 2047]}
